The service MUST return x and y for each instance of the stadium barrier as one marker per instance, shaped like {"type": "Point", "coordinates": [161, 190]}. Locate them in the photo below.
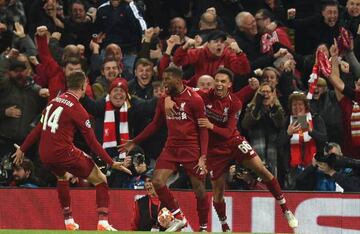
{"type": "Point", "coordinates": [258, 212]}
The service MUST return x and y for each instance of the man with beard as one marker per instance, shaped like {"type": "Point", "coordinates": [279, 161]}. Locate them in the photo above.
{"type": "Point", "coordinates": [20, 104]}
{"type": "Point", "coordinates": [186, 144]}
{"type": "Point", "coordinates": [23, 175]}
{"type": "Point", "coordinates": [208, 59]}
{"type": "Point", "coordinates": [109, 71]}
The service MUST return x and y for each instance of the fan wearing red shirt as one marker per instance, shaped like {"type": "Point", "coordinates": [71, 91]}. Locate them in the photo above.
{"type": "Point", "coordinates": [349, 101]}
{"type": "Point", "coordinates": [59, 121]}
{"type": "Point", "coordinates": [186, 144]}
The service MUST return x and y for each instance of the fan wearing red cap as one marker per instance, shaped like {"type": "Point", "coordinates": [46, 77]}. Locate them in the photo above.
{"type": "Point", "coordinates": [116, 115]}
{"type": "Point", "coordinates": [118, 92]}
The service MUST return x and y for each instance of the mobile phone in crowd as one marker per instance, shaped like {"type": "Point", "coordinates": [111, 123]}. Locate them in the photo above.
{"type": "Point", "coordinates": [301, 119]}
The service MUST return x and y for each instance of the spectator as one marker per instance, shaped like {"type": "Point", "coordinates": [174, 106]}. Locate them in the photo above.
{"type": "Point", "coordinates": [248, 37]}
{"type": "Point", "coordinates": [141, 85]}
{"type": "Point", "coordinates": [346, 178]}
{"type": "Point", "coordinates": [264, 116]}
{"type": "Point", "coordinates": [205, 83]}
{"type": "Point", "coordinates": [206, 60]}
{"type": "Point", "coordinates": [146, 208]}
{"type": "Point", "coordinates": [159, 89]}
{"type": "Point", "coordinates": [54, 73]}
{"type": "Point", "coordinates": [109, 71]}
{"type": "Point", "coordinates": [207, 24]}
{"type": "Point", "coordinates": [6, 27]}
{"type": "Point", "coordinates": [79, 27]}
{"type": "Point", "coordinates": [43, 13]}
{"type": "Point", "coordinates": [318, 28]}
{"type": "Point", "coordinates": [281, 82]}
{"type": "Point", "coordinates": [351, 17]}
{"type": "Point", "coordinates": [117, 110]}
{"type": "Point", "coordinates": [266, 24]}
{"type": "Point", "coordinates": [23, 175]}
{"type": "Point", "coordinates": [112, 51]}
{"type": "Point", "coordinates": [348, 99]}
{"type": "Point", "coordinates": [324, 103]}
{"type": "Point", "coordinates": [22, 42]}
{"type": "Point", "coordinates": [178, 27]}
{"type": "Point", "coordinates": [313, 179]}
{"type": "Point", "coordinates": [123, 25]}
{"type": "Point", "coordinates": [241, 178]}
{"type": "Point", "coordinates": [141, 169]}
{"type": "Point", "coordinates": [299, 140]}
{"type": "Point", "coordinates": [20, 105]}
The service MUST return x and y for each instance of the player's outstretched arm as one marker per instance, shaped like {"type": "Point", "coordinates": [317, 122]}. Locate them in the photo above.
{"type": "Point", "coordinates": [155, 124]}
{"type": "Point", "coordinates": [33, 136]}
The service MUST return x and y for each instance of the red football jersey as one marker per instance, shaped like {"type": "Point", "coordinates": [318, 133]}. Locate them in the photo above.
{"type": "Point", "coordinates": [183, 130]}
{"type": "Point", "coordinates": [224, 114]}
{"type": "Point", "coordinates": [59, 121]}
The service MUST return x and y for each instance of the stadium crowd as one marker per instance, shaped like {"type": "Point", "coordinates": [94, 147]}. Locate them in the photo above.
{"type": "Point", "coordinates": [286, 57]}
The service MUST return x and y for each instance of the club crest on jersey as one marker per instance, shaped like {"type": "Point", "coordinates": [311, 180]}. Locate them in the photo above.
{"type": "Point", "coordinates": [226, 110]}
{"type": "Point", "coordinates": [181, 114]}
{"type": "Point", "coordinates": [106, 132]}
{"type": "Point", "coordinates": [182, 106]}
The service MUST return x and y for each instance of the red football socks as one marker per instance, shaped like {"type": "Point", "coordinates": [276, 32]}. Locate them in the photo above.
{"type": "Point", "coordinates": [220, 208]}
{"type": "Point", "coordinates": [63, 190]}
{"type": "Point", "coordinates": [102, 200]}
{"type": "Point", "coordinates": [275, 190]}
{"type": "Point", "coordinates": [167, 199]}
{"type": "Point", "coordinates": [203, 210]}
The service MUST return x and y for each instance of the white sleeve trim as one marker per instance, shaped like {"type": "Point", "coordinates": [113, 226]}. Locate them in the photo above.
{"type": "Point", "coordinates": [138, 16]}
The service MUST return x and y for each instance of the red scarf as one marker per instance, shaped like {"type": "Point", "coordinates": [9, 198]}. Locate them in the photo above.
{"type": "Point", "coordinates": [267, 41]}
{"type": "Point", "coordinates": [323, 66]}
{"type": "Point", "coordinates": [343, 40]}
{"type": "Point", "coordinates": [109, 134]}
{"type": "Point", "coordinates": [355, 124]}
{"type": "Point", "coordinates": [303, 146]}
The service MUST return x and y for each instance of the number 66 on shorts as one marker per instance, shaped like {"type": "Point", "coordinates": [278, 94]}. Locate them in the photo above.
{"type": "Point", "coordinates": [245, 148]}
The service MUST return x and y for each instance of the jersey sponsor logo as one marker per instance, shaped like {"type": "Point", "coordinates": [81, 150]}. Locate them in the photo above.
{"type": "Point", "coordinates": [209, 106]}
{"type": "Point", "coordinates": [88, 124]}
{"type": "Point", "coordinates": [213, 115]}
